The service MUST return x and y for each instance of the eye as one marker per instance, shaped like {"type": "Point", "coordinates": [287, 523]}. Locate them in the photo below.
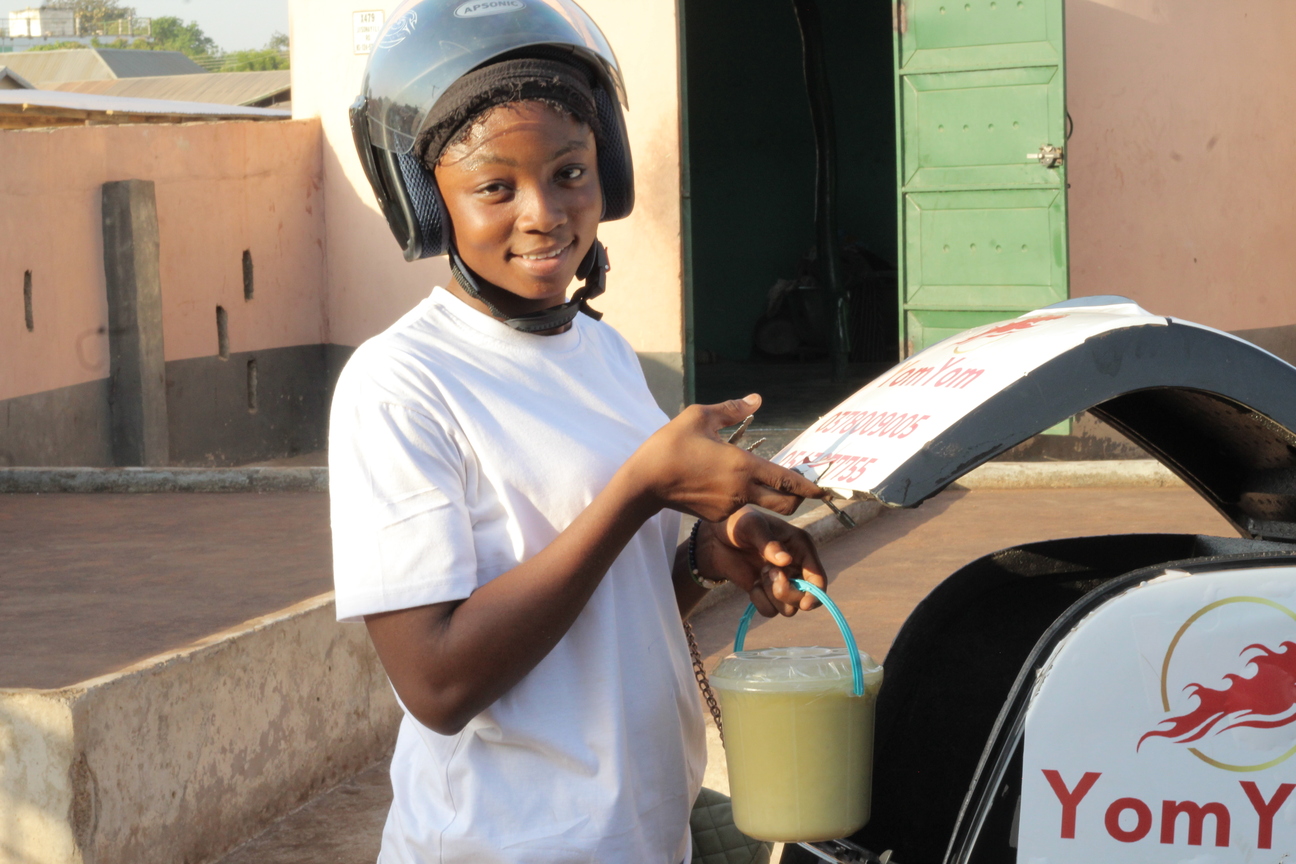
{"type": "Point", "coordinates": [572, 172]}
{"type": "Point", "coordinates": [492, 189]}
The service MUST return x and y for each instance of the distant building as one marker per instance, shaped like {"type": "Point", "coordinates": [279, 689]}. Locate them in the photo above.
{"type": "Point", "coordinates": [97, 64]}
{"type": "Point", "coordinates": [23, 43]}
{"type": "Point", "coordinates": [34, 23]}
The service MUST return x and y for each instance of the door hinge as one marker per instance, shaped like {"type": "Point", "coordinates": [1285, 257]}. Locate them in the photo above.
{"type": "Point", "coordinates": [1048, 156]}
{"type": "Point", "coordinates": [899, 18]}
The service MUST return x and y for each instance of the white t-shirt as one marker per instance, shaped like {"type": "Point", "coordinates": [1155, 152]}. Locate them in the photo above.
{"type": "Point", "coordinates": [458, 449]}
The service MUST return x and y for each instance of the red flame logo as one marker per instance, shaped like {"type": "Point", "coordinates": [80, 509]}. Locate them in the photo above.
{"type": "Point", "coordinates": [1008, 327]}
{"type": "Point", "coordinates": [1264, 701]}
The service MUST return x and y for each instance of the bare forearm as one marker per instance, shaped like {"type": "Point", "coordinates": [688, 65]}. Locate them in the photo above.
{"type": "Point", "coordinates": [467, 655]}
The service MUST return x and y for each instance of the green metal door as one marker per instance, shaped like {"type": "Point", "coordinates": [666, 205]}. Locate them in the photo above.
{"type": "Point", "coordinates": [981, 123]}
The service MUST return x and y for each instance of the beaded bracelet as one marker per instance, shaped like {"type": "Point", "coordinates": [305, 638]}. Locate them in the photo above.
{"type": "Point", "coordinates": [701, 580]}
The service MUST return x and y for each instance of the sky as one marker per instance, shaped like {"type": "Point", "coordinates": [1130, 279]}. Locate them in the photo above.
{"type": "Point", "coordinates": [234, 24]}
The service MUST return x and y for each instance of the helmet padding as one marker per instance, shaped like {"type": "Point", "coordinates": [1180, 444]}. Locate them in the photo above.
{"type": "Point", "coordinates": [429, 210]}
{"type": "Point", "coordinates": [558, 83]}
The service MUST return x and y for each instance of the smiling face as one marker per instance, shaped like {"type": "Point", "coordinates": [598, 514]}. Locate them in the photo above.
{"type": "Point", "coordinates": [523, 195]}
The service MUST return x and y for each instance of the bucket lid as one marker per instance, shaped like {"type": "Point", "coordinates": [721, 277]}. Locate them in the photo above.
{"type": "Point", "coordinates": [794, 669]}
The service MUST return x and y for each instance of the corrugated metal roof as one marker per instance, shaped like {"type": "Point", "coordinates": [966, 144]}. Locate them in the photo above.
{"type": "Point", "coordinates": [97, 64]}
{"type": "Point", "coordinates": [128, 63]}
{"type": "Point", "coordinates": [60, 108]}
{"type": "Point", "coordinates": [11, 80]}
{"type": "Point", "coordinates": [68, 65]}
{"type": "Point", "coordinates": [225, 88]}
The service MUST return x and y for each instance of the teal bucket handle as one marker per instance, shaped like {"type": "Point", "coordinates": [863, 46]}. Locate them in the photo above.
{"type": "Point", "coordinates": [857, 669]}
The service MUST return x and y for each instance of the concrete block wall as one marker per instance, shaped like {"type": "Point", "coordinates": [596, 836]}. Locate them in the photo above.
{"type": "Point", "coordinates": [184, 755]}
{"type": "Point", "coordinates": [233, 200]}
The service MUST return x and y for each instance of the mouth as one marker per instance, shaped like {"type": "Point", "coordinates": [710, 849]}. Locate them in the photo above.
{"type": "Point", "coordinates": [545, 255]}
{"type": "Point", "coordinates": [544, 263]}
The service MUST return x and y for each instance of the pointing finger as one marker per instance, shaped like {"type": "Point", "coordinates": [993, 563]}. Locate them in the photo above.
{"type": "Point", "coordinates": [783, 480]}
{"type": "Point", "coordinates": [770, 499]}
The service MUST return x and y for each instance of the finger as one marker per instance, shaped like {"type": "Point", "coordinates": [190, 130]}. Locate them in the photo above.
{"type": "Point", "coordinates": [785, 590]}
{"type": "Point", "coordinates": [774, 553]}
{"type": "Point", "coordinates": [761, 533]}
{"type": "Point", "coordinates": [774, 535]}
{"type": "Point", "coordinates": [732, 412]}
{"type": "Point", "coordinates": [783, 480]}
{"type": "Point", "coordinates": [779, 590]}
{"type": "Point", "coordinates": [770, 499]}
{"type": "Point", "coordinates": [762, 601]}
{"type": "Point", "coordinates": [812, 571]}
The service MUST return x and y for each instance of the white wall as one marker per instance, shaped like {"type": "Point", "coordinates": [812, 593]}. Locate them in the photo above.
{"type": "Point", "coordinates": [369, 284]}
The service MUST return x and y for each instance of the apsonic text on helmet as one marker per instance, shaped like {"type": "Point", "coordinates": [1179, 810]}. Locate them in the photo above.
{"type": "Point", "coordinates": [478, 8]}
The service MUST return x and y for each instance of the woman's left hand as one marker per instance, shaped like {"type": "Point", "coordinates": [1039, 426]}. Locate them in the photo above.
{"type": "Point", "coordinates": [761, 554]}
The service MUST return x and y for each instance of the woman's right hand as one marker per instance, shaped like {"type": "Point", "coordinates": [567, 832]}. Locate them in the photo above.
{"type": "Point", "coordinates": [687, 466]}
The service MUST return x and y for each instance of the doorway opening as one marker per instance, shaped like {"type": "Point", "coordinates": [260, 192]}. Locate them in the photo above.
{"type": "Point", "coordinates": [759, 320]}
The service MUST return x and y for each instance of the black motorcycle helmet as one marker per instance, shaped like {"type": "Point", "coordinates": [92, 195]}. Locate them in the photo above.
{"type": "Point", "coordinates": [424, 48]}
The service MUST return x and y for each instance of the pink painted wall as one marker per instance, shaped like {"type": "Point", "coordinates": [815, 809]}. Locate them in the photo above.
{"type": "Point", "coordinates": [221, 188]}
{"type": "Point", "coordinates": [1183, 194]}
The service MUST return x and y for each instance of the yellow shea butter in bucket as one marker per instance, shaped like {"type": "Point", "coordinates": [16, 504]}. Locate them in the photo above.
{"type": "Point", "coordinates": [799, 743]}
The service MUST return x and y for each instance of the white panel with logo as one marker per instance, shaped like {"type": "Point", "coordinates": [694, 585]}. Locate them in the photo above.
{"type": "Point", "coordinates": [1162, 729]}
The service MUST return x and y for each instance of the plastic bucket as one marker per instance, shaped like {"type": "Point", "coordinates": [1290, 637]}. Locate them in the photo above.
{"type": "Point", "coordinates": [798, 735]}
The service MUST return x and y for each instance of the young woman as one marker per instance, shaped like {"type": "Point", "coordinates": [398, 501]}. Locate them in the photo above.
{"type": "Point", "coordinates": [505, 491]}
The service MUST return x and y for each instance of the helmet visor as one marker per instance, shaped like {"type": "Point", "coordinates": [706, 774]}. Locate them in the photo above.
{"type": "Point", "coordinates": [427, 44]}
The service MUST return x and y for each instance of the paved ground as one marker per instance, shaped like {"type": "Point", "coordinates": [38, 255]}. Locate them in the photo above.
{"type": "Point", "coordinates": [878, 574]}
{"type": "Point", "coordinates": [93, 583]}
{"type": "Point", "coordinates": [343, 826]}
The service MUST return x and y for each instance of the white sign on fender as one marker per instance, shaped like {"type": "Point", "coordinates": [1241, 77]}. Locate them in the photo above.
{"type": "Point", "coordinates": [1163, 728]}
{"type": "Point", "coordinates": [878, 429]}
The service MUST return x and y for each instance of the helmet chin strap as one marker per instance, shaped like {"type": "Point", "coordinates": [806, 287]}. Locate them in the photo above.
{"type": "Point", "coordinates": [593, 269]}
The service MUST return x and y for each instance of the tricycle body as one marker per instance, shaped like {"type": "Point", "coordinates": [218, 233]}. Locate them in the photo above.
{"type": "Point", "coordinates": [1115, 698]}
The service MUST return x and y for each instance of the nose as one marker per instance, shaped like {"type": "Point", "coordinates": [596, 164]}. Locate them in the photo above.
{"type": "Point", "coordinates": [540, 210]}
